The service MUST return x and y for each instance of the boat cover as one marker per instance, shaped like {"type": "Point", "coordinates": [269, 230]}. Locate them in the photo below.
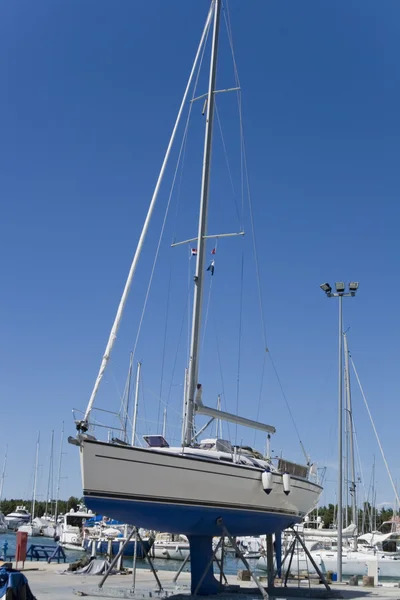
{"type": "Point", "coordinates": [95, 567]}
{"type": "Point", "coordinates": [14, 584]}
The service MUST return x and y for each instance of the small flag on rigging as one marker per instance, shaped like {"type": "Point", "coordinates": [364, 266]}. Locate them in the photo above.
{"type": "Point", "coordinates": [193, 252]}
{"type": "Point", "coordinates": [211, 267]}
{"type": "Point", "coordinates": [213, 251]}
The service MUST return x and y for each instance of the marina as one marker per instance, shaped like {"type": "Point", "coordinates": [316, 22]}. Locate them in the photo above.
{"type": "Point", "coordinates": [185, 413]}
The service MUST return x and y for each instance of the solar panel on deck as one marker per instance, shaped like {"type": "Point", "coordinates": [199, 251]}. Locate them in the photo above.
{"type": "Point", "coordinates": [156, 441]}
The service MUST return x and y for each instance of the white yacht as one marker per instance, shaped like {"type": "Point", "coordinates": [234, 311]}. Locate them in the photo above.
{"type": "Point", "coordinates": [70, 531]}
{"type": "Point", "coordinates": [18, 517]}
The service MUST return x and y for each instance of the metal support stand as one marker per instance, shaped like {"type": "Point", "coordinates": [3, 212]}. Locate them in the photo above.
{"type": "Point", "coordinates": [134, 563]}
{"type": "Point", "coordinates": [270, 560]}
{"type": "Point", "coordinates": [243, 559]}
{"type": "Point", "coordinates": [221, 565]}
{"type": "Point", "coordinates": [185, 562]}
{"type": "Point", "coordinates": [114, 561]}
{"type": "Point", "coordinates": [314, 564]}
{"type": "Point", "coordinates": [147, 556]}
{"type": "Point", "coordinates": [291, 552]}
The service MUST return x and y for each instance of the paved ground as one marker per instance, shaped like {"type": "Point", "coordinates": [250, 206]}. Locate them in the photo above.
{"type": "Point", "coordinates": [47, 582]}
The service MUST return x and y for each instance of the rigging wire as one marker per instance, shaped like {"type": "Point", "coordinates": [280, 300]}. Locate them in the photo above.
{"type": "Point", "coordinates": [167, 208]}
{"type": "Point", "coordinates": [375, 430]}
{"type": "Point", "coordinates": [260, 394]}
{"type": "Point", "coordinates": [240, 219]}
{"type": "Point", "coordinates": [246, 185]}
{"type": "Point", "coordinates": [220, 370]}
{"type": "Point", "coordinates": [165, 341]}
{"type": "Point", "coordinates": [240, 343]}
{"type": "Point", "coordinates": [188, 305]}
{"type": "Point", "coordinates": [228, 26]}
{"type": "Point", "coordinates": [177, 346]}
{"type": "Point", "coordinates": [208, 304]}
{"type": "Point", "coordinates": [361, 480]}
{"type": "Point", "coordinates": [186, 128]}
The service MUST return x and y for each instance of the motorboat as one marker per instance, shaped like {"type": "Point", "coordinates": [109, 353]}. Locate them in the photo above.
{"type": "Point", "coordinates": [19, 516]}
{"type": "Point", "coordinates": [69, 533]}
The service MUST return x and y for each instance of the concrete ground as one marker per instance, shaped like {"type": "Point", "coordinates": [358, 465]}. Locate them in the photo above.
{"type": "Point", "coordinates": [47, 581]}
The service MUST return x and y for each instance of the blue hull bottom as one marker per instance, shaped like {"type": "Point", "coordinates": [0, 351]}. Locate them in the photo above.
{"type": "Point", "coordinates": [189, 519]}
{"type": "Point", "coordinates": [198, 523]}
{"type": "Point", "coordinates": [102, 547]}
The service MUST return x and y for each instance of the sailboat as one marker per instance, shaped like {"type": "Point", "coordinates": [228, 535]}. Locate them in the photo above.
{"type": "Point", "coordinates": [33, 528]}
{"type": "Point", "coordinates": [195, 489]}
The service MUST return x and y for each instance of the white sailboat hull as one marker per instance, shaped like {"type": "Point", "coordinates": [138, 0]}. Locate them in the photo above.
{"type": "Point", "coordinates": [187, 494]}
{"type": "Point", "coordinates": [353, 563]}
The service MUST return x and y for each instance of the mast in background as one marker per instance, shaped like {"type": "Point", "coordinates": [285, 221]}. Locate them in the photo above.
{"type": "Point", "coordinates": [49, 494]}
{"type": "Point", "coordinates": [135, 406]}
{"type": "Point", "coordinates": [350, 429]}
{"type": "Point", "coordinates": [126, 400]}
{"type": "Point", "coordinates": [3, 475]}
{"type": "Point", "coordinates": [59, 473]}
{"type": "Point", "coordinates": [35, 478]}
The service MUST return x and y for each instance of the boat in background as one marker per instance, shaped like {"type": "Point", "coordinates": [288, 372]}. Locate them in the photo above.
{"type": "Point", "coordinates": [20, 516]}
{"type": "Point", "coordinates": [31, 528]}
{"type": "Point", "coordinates": [170, 546]}
{"type": "Point", "coordinates": [110, 541]}
{"type": "Point", "coordinates": [69, 533]}
{"type": "Point", "coordinates": [3, 524]}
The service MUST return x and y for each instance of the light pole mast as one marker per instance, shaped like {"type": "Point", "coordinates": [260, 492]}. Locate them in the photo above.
{"type": "Point", "coordinates": [340, 294]}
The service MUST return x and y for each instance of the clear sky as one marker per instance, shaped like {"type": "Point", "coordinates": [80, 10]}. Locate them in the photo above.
{"type": "Point", "coordinates": [89, 96]}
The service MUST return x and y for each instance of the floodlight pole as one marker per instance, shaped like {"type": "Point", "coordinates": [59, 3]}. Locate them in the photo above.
{"type": "Point", "coordinates": [340, 445]}
{"type": "Point", "coordinates": [340, 294]}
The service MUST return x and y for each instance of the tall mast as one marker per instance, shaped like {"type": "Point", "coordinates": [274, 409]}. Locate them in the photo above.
{"type": "Point", "coordinates": [35, 478]}
{"type": "Point", "coordinates": [49, 495]}
{"type": "Point", "coordinates": [3, 475]}
{"type": "Point", "coordinates": [350, 428]}
{"type": "Point", "coordinates": [202, 231]}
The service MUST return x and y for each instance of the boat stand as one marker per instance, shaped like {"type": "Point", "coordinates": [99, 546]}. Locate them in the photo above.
{"type": "Point", "coordinates": [301, 592]}
{"type": "Point", "coordinates": [240, 554]}
{"type": "Point", "coordinates": [136, 533]}
{"type": "Point", "coordinates": [297, 538]}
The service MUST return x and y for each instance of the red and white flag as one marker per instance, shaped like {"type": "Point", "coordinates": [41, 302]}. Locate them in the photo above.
{"type": "Point", "coordinates": [193, 252]}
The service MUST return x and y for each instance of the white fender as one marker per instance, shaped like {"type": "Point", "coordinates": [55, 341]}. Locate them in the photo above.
{"type": "Point", "coordinates": [286, 483]}
{"type": "Point", "coordinates": [267, 484]}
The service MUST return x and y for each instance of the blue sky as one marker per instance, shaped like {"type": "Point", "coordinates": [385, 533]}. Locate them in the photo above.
{"type": "Point", "coordinates": [90, 94]}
